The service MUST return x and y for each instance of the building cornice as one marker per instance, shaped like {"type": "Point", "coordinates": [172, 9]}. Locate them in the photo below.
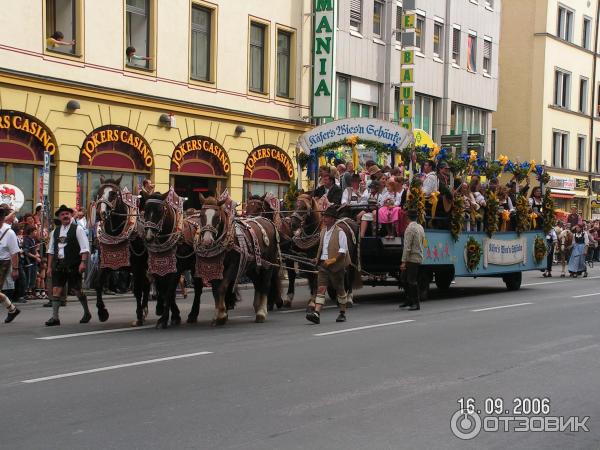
{"type": "Point", "coordinates": [570, 44]}
{"type": "Point", "coordinates": [94, 92]}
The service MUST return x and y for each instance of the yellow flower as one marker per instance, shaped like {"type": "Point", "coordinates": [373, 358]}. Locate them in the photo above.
{"type": "Point", "coordinates": [434, 152]}
{"type": "Point", "coordinates": [505, 215]}
{"type": "Point", "coordinates": [352, 140]}
{"type": "Point", "coordinates": [473, 156]}
{"type": "Point", "coordinates": [503, 159]}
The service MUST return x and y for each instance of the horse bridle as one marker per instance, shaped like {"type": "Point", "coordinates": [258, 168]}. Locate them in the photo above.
{"type": "Point", "coordinates": [112, 205]}
{"type": "Point", "coordinates": [157, 226]}
{"type": "Point", "coordinates": [209, 227]}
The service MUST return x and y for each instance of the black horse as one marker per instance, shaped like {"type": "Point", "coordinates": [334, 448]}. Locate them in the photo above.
{"type": "Point", "coordinates": [116, 234]}
{"type": "Point", "coordinates": [160, 223]}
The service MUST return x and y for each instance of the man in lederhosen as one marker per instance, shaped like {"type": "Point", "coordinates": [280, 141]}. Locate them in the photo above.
{"type": "Point", "coordinates": [68, 251]}
{"type": "Point", "coordinates": [9, 257]}
{"type": "Point", "coordinates": [333, 259]}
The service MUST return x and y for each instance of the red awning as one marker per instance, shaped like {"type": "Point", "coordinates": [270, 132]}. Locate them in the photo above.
{"type": "Point", "coordinates": [561, 195]}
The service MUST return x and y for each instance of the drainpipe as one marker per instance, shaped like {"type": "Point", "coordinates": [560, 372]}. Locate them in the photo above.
{"type": "Point", "coordinates": [593, 108]}
{"type": "Point", "coordinates": [444, 122]}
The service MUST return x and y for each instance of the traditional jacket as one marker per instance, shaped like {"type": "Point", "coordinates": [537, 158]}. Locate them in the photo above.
{"type": "Point", "coordinates": [72, 257]}
{"type": "Point", "coordinates": [333, 249]}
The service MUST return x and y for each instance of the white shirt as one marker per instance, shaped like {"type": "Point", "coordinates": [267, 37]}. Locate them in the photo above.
{"type": "Point", "coordinates": [430, 184]}
{"type": "Point", "coordinates": [81, 239]}
{"type": "Point", "coordinates": [346, 196]}
{"type": "Point", "coordinates": [396, 196]}
{"type": "Point", "coordinates": [342, 241]}
{"type": "Point", "coordinates": [367, 195]}
{"type": "Point", "coordinates": [9, 245]}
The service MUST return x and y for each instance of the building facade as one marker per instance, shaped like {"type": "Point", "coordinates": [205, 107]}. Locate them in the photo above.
{"type": "Point", "coordinates": [549, 95]}
{"type": "Point", "coordinates": [193, 94]}
{"type": "Point", "coordinates": [455, 70]}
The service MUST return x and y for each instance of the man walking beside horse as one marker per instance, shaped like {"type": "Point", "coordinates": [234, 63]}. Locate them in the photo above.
{"type": "Point", "coordinates": [333, 258]}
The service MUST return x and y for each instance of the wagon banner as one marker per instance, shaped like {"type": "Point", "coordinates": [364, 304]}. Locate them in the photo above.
{"type": "Point", "coordinates": [504, 252]}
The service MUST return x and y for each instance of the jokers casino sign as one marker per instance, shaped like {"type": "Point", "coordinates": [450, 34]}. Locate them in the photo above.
{"type": "Point", "coordinates": [11, 120]}
{"type": "Point", "coordinates": [117, 135]}
{"type": "Point", "coordinates": [270, 153]}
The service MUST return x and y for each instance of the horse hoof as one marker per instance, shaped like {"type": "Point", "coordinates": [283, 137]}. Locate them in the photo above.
{"type": "Point", "coordinates": [103, 314]}
{"type": "Point", "coordinates": [260, 318]}
{"type": "Point", "coordinates": [270, 307]}
{"type": "Point", "coordinates": [287, 304]}
{"type": "Point", "coordinates": [279, 303]}
{"type": "Point", "coordinates": [175, 321]}
{"type": "Point", "coordinates": [219, 321]}
{"type": "Point", "coordinates": [161, 323]}
{"type": "Point", "coordinates": [191, 319]}
{"type": "Point", "coordinates": [137, 323]}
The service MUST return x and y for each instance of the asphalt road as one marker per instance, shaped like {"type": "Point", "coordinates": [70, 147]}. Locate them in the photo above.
{"type": "Point", "coordinates": [386, 379]}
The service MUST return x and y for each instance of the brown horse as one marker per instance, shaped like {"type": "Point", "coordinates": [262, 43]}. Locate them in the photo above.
{"type": "Point", "coordinates": [230, 247]}
{"type": "Point", "coordinates": [306, 227]}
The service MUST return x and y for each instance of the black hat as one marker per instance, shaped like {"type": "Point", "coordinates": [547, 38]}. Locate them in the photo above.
{"type": "Point", "coordinates": [331, 211]}
{"type": "Point", "coordinates": [63, 208]}
{"type": "Point", "coordinates": [412, 214]}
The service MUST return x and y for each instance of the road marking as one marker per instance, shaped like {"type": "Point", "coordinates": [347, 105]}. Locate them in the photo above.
{"type": "Point", "coordinates": [287, 311]}
{"type": "Point", "coordinates": [567, 280]}
{"type": "Point", "coordinates": [348, 330]}
{"type": "Point", "coordinates": [586, 295]}
{"type": "Point", "coordinates": [501, 307]}
{"type": "Point", "coordinates": [89, 333]}
{"type": "Point", "coordinates": [118, 366]}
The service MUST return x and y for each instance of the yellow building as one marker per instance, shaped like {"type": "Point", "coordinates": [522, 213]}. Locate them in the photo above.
{"type": "Point", "coordinates": [548, 99]}
{"type": "Point", "coordinates": [193, 94]}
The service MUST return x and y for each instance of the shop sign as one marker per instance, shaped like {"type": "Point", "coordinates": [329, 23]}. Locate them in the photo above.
{"type": "Point", "coordinates": [582, 184]}
{"type": "Point", "coordinates": [561, 183]}
{"type": "Point", "coordinates": [11, 120]}
{"type": "Point", "coordinates": [504, 252]}
{"type": "Point", "coordinates": [12, 196]}
{"type": "Point", "coordinates": [365, 129]}
{"type": "Point", "coordinates": [117, 135]}
{"type": "Point", "coordinates": [266, 152]}
{"type": "Point", "coordinates": [324, 49]}
{"type": "Point", "coordinates": [200, 144]}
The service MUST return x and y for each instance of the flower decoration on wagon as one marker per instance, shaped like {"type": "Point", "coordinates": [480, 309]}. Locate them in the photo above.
{"type": "Point", "coordinates": [473, 253]}
{"type": "Point", "coordinates": [539, 249]}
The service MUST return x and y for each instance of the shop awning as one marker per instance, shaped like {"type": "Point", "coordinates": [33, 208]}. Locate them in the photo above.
{"type": "Point", "coordinates": [561, 193]}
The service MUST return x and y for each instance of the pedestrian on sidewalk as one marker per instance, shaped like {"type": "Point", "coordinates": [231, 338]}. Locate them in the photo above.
{"type": "Point", "coordinates": [68, 251]}
{"type": "Point", "coordinates": [9, 262]}
{"type": "Point", "coordinates": [412, 257]}
{"type": "Point", "coordinates": [332, 259]}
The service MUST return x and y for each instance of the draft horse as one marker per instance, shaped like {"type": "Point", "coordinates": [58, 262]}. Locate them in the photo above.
{"type": "Point", "coordinates": [229, 247]}
{"type": "Point", "coordinates": [161, 223]}
{"type": "Point", "coordinates": [121, 246]}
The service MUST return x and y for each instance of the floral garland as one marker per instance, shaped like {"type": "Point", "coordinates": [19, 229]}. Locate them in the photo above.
{"type": "Point", "coordinates": [492, 212]}
{"type": "Point", "coordinates": [352, 141]}
{"type": "Point", "coordinates": [539, 249]}
{"type": "Point", "coordinates": [473, 252]}
{"type": "Point", "coordinates": [416, 200]}
{"type": "Point", "coordinates": [457, 216]}
{"type": "Point", "coordinates": [548, 217]}
{"type": "Point", "coordinates": [523, 217]}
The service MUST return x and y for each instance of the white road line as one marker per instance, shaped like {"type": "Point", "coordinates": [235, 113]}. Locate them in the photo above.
{"type": "Point", "coordinates": [585, 295]}
{"type": "Point", "coordinates": [348, 330]}
{"type": "Point", "coordinates": [287, 311]}
{"type": "Point", "coordinates": [89, 333]}
{"type": "Point", "coordinates": [118, 366]}
{"type": "Point", "coordinates": [567, 280]}
{"type": "Point", "coordinates": [501, 307]}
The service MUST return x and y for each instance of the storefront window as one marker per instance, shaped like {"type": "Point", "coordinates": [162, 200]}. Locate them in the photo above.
{"type": "Point", "coordinates": [23, 177]}
{"type": "Point", "coordinates": [257, 188]}
{"type": "Point", "coordinates": [89, 183]}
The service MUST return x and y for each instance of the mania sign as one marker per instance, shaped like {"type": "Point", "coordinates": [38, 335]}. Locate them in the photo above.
{"type": "Point", "coordinates": [323, 57]}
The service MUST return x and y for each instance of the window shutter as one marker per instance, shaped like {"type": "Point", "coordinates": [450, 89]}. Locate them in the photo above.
{"type": "Point", "coordinates": [487, 49]}
{"type": "Point", "coordinates": [356, 11]}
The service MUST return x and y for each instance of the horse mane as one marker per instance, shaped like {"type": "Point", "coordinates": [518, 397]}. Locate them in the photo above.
{"type": "Point", "coordinates": [111, 181]}
{"type": "Point", "coordinates": [210, 201]}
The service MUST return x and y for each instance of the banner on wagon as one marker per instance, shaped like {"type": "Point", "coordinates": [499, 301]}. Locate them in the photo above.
{"type": "Point", "coordinates": [504, 252]}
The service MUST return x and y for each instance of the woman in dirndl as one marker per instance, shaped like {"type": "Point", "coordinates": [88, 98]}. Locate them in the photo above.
{"type": "Point", "coordinates": [577, 260]}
